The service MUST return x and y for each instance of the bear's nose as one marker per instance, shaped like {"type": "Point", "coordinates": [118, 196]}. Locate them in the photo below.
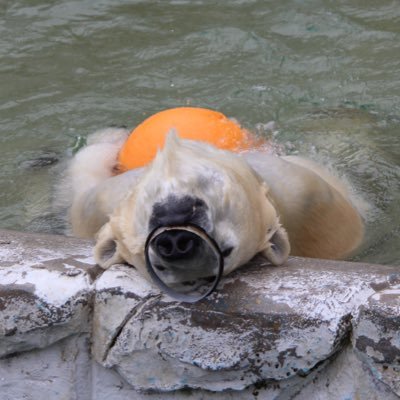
{"type": "Point", "coordinates": [174, 245]}
{"type": "Point", "coordinates": [174, 210]}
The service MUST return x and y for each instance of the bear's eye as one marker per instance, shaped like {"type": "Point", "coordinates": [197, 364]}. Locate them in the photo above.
{"type": "Point", "coordinates": [225, 253]}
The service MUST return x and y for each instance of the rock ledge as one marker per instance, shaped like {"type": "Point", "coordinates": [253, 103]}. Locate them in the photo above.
{"type": "Point", "coordinates": [294, 331]}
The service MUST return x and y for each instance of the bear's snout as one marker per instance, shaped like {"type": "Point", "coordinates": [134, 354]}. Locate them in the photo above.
{"type": "Point", "coordinates": [176, 245]}
{"type": "Point", "coordinates": [179, 211]}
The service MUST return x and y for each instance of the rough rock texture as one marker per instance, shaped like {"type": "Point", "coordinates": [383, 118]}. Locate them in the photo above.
{"type": "Point", "coordinates": [45, 290]}
{"type": "Point", "coordinates": [377, 333]}
{"type": "Point", "coordinates": [61, 371]}
{"type": "Point", "coordinates": [310, 329]}
{"type": "Point", "coordinates": [264, 324]}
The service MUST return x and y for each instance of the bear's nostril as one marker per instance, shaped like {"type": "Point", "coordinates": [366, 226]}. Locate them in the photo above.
{"type": "Point", "coordinates": [165, 246]}
{"type": "Point", "coordinates": [173, 245]}
{"type": "Point", "coordinates": [184, 244]}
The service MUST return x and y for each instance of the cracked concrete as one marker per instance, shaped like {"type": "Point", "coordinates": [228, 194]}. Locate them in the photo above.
{"type": "Point", "coordinates": [45, 290]}
{"type": "Point", "coordinates": [309, 329]}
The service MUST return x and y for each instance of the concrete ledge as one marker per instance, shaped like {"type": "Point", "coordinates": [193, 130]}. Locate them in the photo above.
{"type": "Point", "coordinates": [288, 332]}
{"type": "Point", "coordinates": [376, 337]}
{"type": "Point", "coordinates": [45, 290]}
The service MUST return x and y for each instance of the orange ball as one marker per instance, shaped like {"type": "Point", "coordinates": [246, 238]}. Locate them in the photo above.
{"type": "Point", "coordinates": [190, 123]}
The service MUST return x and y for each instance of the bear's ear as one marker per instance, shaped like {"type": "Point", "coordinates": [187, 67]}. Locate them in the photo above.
{"type": "Point", "coordinates": [106, 249]}
{"type": "Point", "coordinates": [277, 247]}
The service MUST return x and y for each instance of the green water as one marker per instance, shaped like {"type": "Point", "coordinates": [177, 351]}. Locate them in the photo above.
{"type": "Point", "coordinates": [327, 72]}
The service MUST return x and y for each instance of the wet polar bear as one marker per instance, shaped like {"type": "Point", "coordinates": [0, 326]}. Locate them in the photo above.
{"type": "Point", "coordinates": [248, 203]}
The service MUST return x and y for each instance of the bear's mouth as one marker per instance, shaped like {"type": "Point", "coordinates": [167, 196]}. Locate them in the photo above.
{"type": "Point", "coordinates": [184, 261]}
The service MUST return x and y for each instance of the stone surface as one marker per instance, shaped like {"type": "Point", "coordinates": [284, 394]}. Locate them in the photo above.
{"type": "Point", "coordinates": [377, 333]}
{"type": "Point", "coordinates": [61, 371]}
{"type": "Point", "coordinates": [310, 329]}
{"type": "Point", "coordinates": [45, 290]}
{"type": "Point", "coordinates": [345, 378]}
{"type": "Point", "coordinates": [263, 324]}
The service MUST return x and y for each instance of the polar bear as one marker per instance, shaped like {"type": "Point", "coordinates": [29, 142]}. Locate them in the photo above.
{"type": "Point", "coordinates": [249, 203]}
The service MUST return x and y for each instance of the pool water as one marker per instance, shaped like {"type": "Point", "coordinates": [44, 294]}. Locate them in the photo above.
{"type": "Point", "coordinates": [327, 73]}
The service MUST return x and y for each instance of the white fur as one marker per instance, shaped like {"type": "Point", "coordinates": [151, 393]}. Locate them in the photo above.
{"type": "Point", "coordinates": [248, 196]}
